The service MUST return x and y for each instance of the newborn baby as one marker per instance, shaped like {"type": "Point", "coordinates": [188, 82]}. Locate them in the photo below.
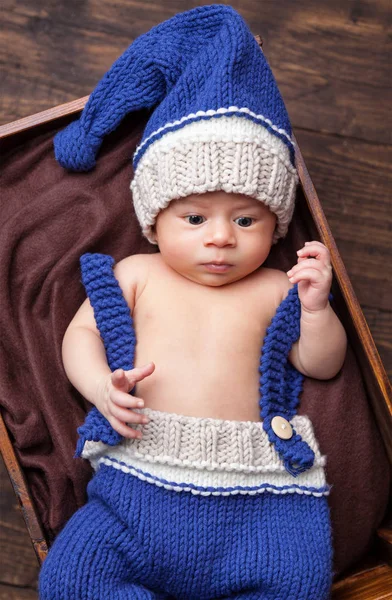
{"type": "Point", "coordinates": [201, 307]}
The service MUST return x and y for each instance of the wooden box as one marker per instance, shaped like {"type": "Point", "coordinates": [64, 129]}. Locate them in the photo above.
{"type": "Point", "coordinates": [372, 577]}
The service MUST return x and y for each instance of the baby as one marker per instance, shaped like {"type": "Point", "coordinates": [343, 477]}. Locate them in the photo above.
{"type": "Point", "coordinates": [201, 308]}
{"type": "Point", "coordinates": [208, 483]}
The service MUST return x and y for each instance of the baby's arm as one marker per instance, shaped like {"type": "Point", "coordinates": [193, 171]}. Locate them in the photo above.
{"type": "Point", "coordinates": [321, 348]}
{"type": "Point", "coordinates": [86, 365]}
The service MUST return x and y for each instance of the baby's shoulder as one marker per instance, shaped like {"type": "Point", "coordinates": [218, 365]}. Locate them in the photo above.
{"type": "Point", "coordinates": [276, 281]}
{"type": "Point", "coordinates": [132, 275]}
{"type": "Point", "coordinates": [134, 263]}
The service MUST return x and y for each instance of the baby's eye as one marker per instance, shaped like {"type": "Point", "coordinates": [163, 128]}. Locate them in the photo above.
{"type": "Point", "coordinates": [194, 219]}
{"type": "Point", "coordinates": [244, 221]}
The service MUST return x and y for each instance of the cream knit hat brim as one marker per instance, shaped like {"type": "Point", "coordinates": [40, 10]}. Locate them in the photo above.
{"type": "Point", "coordinates": [232, 154]}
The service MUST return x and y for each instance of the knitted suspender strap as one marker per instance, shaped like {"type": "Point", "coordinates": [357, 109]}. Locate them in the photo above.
{"type": "Point", "coordinates": [281, 383]}
{"type": "Point", "coordinates": [115, 325]}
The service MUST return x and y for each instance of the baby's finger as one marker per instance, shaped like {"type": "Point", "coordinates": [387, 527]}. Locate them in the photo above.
{"type": "Point", "coordinates": [126, 400]}
{"type": "Point", "coordinates": [313, 275]}
{"type": "Point", "coordinates": [316, 250]}
{"type": "Point", "coordinates": [124, 430]}
{"type": "Point", "coordinates": [315, 242]}
{"type": "Point", "coordinates": [127, 416]}
{"type": "Point", "coordinates": [306, 262]}
{"type": "Point", "coordinates": [139, 373]}
{"type": "Point", "coordinates": [119, 380]}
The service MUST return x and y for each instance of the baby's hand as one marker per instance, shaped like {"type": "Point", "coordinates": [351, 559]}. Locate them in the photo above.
{"type": "Point", "coordinates": [313, 272]}
{"type": "Point", "coordinates": [115, 402]}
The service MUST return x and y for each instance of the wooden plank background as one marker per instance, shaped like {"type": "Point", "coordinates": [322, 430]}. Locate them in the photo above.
{"type": "Point", "coordinates": [331, 59]}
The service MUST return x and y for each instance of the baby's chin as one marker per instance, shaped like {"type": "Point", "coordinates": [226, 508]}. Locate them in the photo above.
{"type": "Point", "coordinates": [215, 279]}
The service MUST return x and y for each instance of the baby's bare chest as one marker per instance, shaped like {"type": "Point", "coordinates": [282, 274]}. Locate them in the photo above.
{"type": "Point", "coordinates": [198, 321]}
{"type": "Point", "coordinates": [205, 344]}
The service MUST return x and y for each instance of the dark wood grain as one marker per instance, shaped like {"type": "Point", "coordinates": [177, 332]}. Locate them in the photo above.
{"type": "Point", "coordinates": [8, 592]}
{"type": "Point", "coordinates": [23, 493]}
{"type": "Point", "coordinates": [374, 584]}
{"type": "Point", "coordinates": [329, 58]}
{"type": "Point", "coordinates": [45, 116]}
{"type": "Point", "coordinates": [354, 182]}
{"type": "Point", "coordinates": [18, 563]}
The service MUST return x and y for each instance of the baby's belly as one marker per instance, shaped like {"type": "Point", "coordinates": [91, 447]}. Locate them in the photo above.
{"type": "Point", "coordinates": [217, 389]}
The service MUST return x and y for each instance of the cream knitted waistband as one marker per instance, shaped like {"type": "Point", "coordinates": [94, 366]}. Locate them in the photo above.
{"type": "Point", "coordinates": [205, 455]}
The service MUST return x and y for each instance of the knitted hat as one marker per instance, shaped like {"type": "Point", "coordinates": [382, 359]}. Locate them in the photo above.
{"type": "Point", "coordinates": [218, 120]}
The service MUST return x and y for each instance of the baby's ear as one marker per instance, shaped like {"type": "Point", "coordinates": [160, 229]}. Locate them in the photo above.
{"type": "Point", "coordinates": [154, 233]}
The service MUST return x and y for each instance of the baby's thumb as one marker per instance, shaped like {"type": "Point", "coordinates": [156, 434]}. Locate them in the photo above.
{"type": "Point", "coordinates": [120, 380]}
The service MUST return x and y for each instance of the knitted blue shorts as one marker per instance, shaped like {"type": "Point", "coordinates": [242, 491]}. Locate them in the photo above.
{"type": "Point", "coordinates": [197, 509]}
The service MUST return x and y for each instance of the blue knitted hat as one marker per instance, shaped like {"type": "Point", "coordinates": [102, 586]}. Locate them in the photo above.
{"type": "Point", "coordinates": [218, 120]}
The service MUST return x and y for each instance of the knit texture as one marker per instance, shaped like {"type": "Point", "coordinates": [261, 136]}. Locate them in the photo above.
{"type": "Point", "coordinates": [217, 122]}
{"type": "Point", "coordinates": [137, 540]}
{"type": "Point", "coordinates": [210, 456]}
{"type": "Point", "coordinates": [115, 325]}
{"type": "Point", "coordinates": [280, 382]}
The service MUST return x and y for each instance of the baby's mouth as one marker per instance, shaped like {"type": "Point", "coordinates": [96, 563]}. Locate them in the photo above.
{"type": "Point", "coordinates": [217, 267]}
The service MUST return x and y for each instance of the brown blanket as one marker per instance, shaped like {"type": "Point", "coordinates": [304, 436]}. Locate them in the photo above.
{"type": "Point", "coordinates": [49, 219]}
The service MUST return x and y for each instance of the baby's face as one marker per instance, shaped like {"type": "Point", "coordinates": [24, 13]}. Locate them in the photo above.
{"type": "Point", "coordinates": [215, 238]}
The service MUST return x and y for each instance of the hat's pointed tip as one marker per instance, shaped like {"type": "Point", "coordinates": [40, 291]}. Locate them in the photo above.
{"type": "Point", "coordinates": [74, 149]}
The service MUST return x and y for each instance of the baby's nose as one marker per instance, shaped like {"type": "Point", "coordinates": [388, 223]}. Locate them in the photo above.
{"type": "Point", "coordinates": [220, 234]}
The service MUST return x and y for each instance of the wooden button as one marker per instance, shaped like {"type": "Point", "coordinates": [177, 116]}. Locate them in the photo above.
{"type": "Point", "coordinates": [282, 428]}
